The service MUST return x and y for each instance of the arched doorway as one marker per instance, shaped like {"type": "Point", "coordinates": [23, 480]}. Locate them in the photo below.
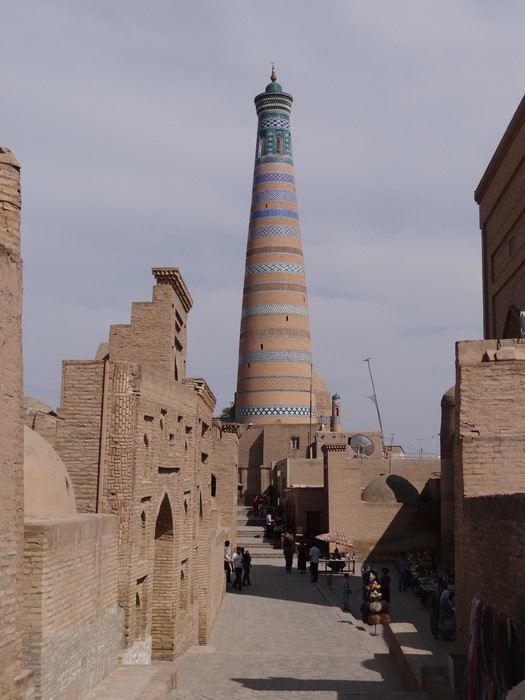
{"type": "Point", "coordinates": [162, 628]}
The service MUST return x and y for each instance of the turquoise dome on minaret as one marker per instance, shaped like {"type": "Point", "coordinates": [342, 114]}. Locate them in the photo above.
{"type": "Point", "coordinates": [274, 85]}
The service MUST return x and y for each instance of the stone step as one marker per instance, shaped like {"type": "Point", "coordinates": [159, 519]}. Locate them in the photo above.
{"type": "Point", "coordinates": [251, 535]}
{"type": "Point", "coordinates": [251, 528]}
{"type": "Point", "coordinates": [251, 519]}
{"type": "Point", "coordinates": [252, 543]}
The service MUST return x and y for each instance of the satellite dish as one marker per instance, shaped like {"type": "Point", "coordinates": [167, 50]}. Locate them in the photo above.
{"type": "Point", "coordinates": [361, 445]}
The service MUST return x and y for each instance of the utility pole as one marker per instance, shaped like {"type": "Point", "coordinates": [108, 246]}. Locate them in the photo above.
{"type": "Point", "coordinates": [310, 411]}
{"type": "Point", "coordinates": [391, 446]}
{"type": "Point", "coordinates": [374, 399]}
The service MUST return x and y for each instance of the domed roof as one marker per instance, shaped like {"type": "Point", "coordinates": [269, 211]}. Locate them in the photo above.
{"type": "Point", "coordinates": [336, 397]}
{"type": "Point", "coordinates": [273, 87]}
{"type": "Point", "coordinates": [48, 491]}
{"type": "Point", "coordinates": [35, 406]}
{"type": "Point", "coordinates": [390, 488]}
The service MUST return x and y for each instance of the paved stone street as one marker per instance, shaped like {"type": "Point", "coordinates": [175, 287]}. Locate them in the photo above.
{"type": "Point", "coordinates": [282, 637]}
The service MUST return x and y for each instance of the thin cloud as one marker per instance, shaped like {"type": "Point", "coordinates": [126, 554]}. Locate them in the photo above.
{"type": "Point", "coordinates": [135, 129]}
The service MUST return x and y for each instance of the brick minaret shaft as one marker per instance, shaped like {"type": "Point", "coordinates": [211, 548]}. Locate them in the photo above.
{"type": "Point", "coordinates": [274, 379]}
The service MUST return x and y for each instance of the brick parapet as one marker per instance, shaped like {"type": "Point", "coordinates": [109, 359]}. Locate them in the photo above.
{"type": "Point", "coordinates": [72, 625]}
{"type": "Point", "coordinates": [201, 388]}
{"type": "Point", "coordinates": [79, 427]}
{"type": "Point", "coordinates": [172, 276]}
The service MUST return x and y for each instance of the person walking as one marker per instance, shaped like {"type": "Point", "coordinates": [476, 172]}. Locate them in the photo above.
{"type": "Point", "coordinates": [269, 525]}
{"type": "Point", "coordinates": [288, 552]}
{"type": "Point", "coordinates": [237, 567]}
{"type": "Point", "coordinates": [227, 562]}
{"type": "Point", "coordinates": [330, 578]}
{"type": "Point", "coordinates": [347, 592]}
{"type": "Point", "coordinates": [402, 571]}
{"type": "Point", "coordinates": [315, 555]}
{"type": "Point", "coordinates": [246, 566]}
{"type": "Point", "coordinates": [385, 584]}
{"type": "Point", "coordinates": [302, 556]}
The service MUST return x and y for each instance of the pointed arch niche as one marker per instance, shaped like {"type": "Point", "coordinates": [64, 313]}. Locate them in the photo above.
{"type": "Point", "coordinates": [162, 627]}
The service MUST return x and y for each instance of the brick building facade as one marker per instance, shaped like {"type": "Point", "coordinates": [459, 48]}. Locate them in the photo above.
{"type": "Point", "coordinates": [139, 441]}
{"type": "Point", "coordinates": [488, 480]}
{"type": "Point", "coordinates": [482, 433]}
{"type": "Point", "coordinates": [501, 198]}
{"type": "Point", "coordinates": [137, 573]}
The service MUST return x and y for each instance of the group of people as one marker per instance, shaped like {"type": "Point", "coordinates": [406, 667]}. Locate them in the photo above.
{"type": "Point", "coordinates": [264, 501]}
{"type": "Point", "coordinates": [239, 565]}
{"type": "Point", "coordinates": [443, 610]}
{"type": "Point", "coordinates": [304, 555]}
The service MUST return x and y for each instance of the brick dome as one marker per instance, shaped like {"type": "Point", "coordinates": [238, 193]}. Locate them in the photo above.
{"type": "Point", "coordinates": [48, 491]}
{"type": "Point", "coordinates": [390, 488]}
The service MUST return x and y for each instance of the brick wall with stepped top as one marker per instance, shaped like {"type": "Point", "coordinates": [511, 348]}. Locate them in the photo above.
{"type": "Point", "coordinates": [251, 535]}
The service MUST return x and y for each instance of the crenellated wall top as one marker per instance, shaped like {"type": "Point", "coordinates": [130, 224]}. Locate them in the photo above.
{"type": "Point", "coordinates": [171, 275]}
{"type": "Point", "coordinates": [201, 387]}
{"type": "Point", "coordinates": [334, 447]}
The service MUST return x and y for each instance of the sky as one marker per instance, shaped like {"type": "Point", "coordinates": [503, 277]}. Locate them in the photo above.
{"type": "Point", "coordinates": [135, 128]}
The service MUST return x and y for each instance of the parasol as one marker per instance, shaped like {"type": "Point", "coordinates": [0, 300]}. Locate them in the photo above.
{"type": "Point", "coordinates": [336, 538]}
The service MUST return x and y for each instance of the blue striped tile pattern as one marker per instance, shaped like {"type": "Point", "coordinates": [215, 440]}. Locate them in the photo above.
{"type": "Point", "coordinates": [246, 358]}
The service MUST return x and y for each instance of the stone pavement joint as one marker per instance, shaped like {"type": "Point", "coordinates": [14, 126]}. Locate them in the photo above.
{"type": "Point", "coordinates": [284, 637]}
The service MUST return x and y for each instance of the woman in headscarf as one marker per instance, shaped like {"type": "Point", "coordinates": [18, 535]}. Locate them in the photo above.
{"type": "Point", "coordinates": [447, 616]}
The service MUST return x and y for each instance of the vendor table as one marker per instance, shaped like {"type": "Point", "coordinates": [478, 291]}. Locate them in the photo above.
{"type": "Point", "coordinates": [347, 566]}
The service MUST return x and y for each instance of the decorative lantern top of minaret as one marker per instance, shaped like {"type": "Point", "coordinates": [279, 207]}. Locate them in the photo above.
{"type": "Point", "coordinates": [274, 85]}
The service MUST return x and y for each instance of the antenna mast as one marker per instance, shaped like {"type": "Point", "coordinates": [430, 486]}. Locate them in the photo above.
{"type": "Point", "coordinates": [374, 399]}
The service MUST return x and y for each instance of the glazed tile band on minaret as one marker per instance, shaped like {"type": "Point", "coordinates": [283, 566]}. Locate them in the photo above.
{"type": "Point", "coordinates": [274, 380]}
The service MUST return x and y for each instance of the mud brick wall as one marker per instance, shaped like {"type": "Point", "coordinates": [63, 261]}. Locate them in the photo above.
{"type": "Point", "coordinates": [72, 623]}
{"type": "Point", "coordinates": [156, 336]}
{"type": "Point", "coordinates": [11, 426]}
{"type": "Point", "coordinates": [386, 529]}
{"type": "Point", "coordinates": [492, 555]}
{"type": "Point", "coordinates": [134, 430]}
{"type": "Point", "coordinates": [343, 482]}
{"type": "Point", "coordinates": [79, 428]}
{"type": "Point", "coordinates": [376, 529]}
{"type": "Point", "coordinates": [488, 479]}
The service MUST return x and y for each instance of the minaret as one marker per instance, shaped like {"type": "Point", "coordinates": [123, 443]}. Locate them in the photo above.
{"type": "Point", "coordinates": [335, 422]}
{"type": "Point", "coordinates": [274, 381]}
